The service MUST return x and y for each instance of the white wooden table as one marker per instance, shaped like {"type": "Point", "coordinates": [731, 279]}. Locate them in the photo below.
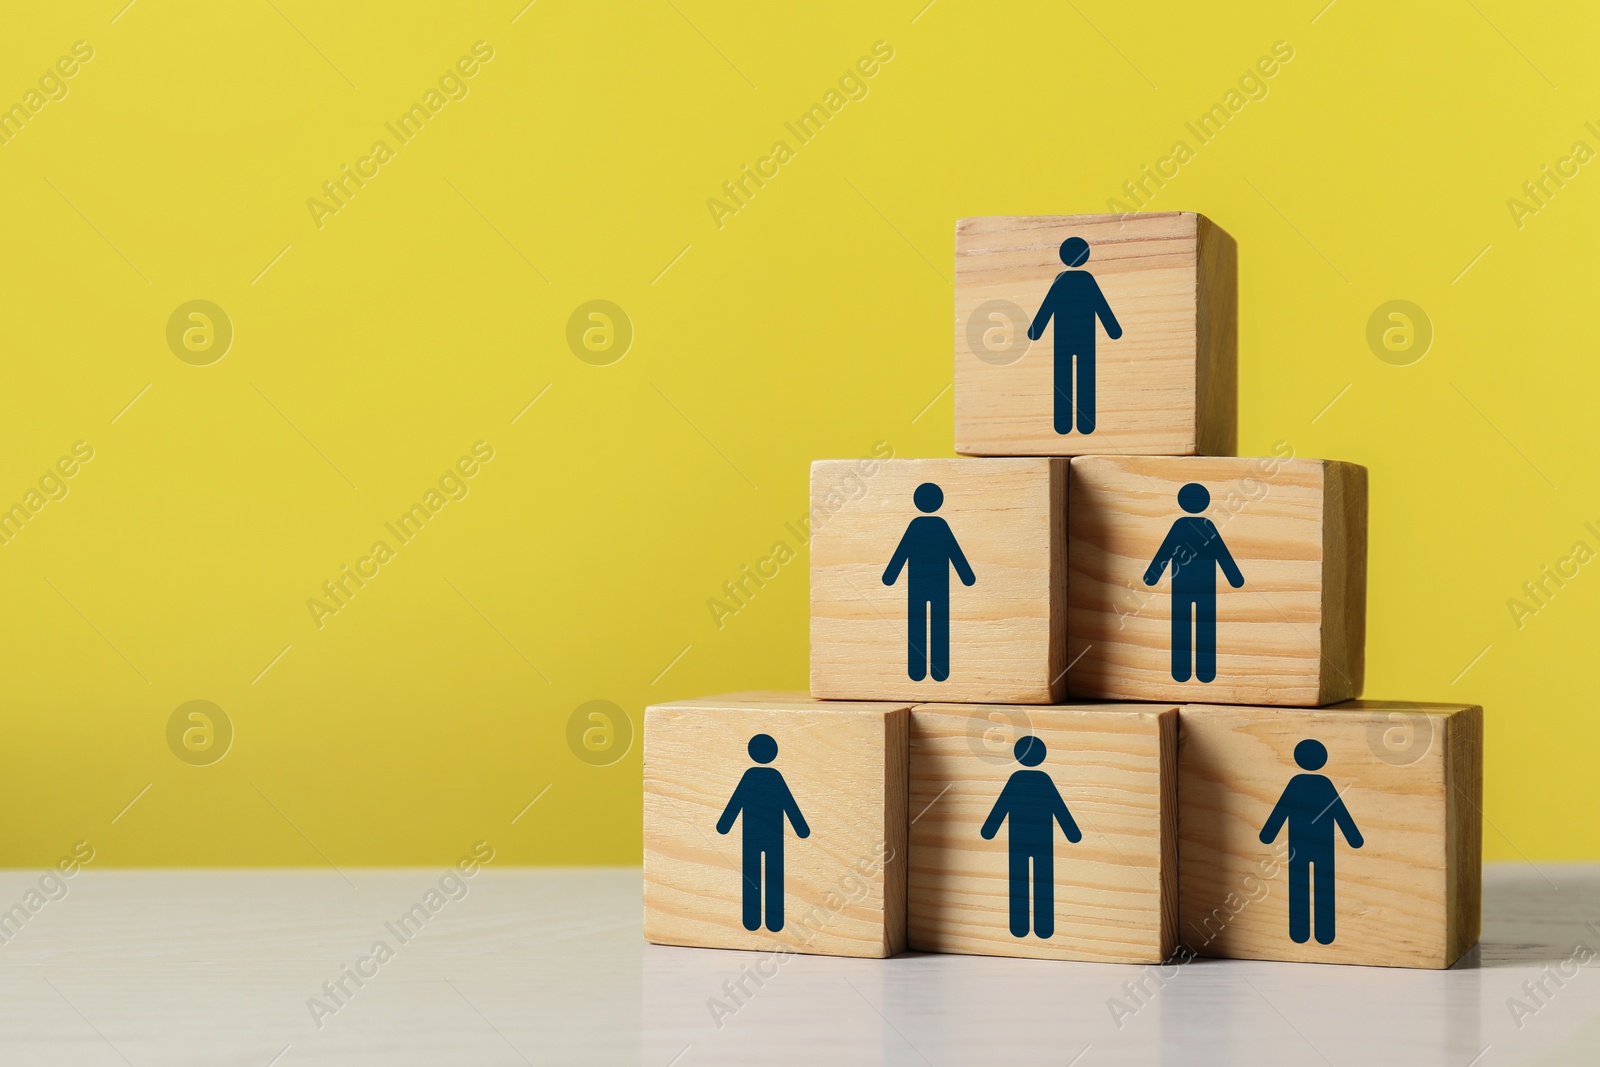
{"type": "Point", "coordinates": [547, 966]}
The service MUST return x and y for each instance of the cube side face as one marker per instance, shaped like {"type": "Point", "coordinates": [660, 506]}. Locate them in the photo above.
{"type": "Point", "coordinates": [1002, 638]}
{"type": "Point", "coordinates": [1217, 311]}
{"type": "Point", "coordinates": [897, 796]}
{"type": "Point", "coordinates": [1464, 756]}
{"type": "Point", "coordinates": [1060, 566]}
{"type": "Point", "coordinates": [1168, 880]}
{"type": "Point", "coordinates": [1262, 642]}
{"type": "Point", "coordinates": [1113, 890]}
{"type": "Point", "coordinates": [1148, 396]}
{"type": "Point", "coordinates": [1344, 590]}
{"type": "Point", "coordinates": [844, 768]}
{"type": "Point", "coordinates": [1388, 900]}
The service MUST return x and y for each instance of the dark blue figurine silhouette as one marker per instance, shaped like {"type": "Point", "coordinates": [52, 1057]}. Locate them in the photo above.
{"type": "Point", "coordinates": [1195, 549]}
{"type": "Point", "coordinates": [1075, 301]}
{"type": "Point", "coordinates": [1312, 807]}
{"type": "Point", "coordinates": [1031, 800]}
{"type": "Point", "coordinates": [930, 550]}
{"type": "Point", "coordinates": [764, 798]}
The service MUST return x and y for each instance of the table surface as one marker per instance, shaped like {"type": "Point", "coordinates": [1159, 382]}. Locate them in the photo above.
{"type": "Point", "coordinates": [535, 966]}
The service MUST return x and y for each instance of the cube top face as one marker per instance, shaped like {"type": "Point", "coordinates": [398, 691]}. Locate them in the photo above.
{"type": "Point", "coordinates": [1134, 350]}
{"type": "Point", "coordinates": [765, 696]}
{"type": "Point", "coordinates": [1233, 581]}
{"type": "Point", "coordinates": [778, 700]}
{"type": "Point", "coordinates": [1383, 797]}
{"type": "Point", "coordinates": [1111, 894]}
{"type": "Point", "coordinates": [775, 825]}
{"type": "Point", "coordinates": [938, 579]}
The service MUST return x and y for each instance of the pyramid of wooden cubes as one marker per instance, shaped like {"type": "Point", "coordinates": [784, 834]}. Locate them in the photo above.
{"type": "Point", "coordinates": [1089, 691]}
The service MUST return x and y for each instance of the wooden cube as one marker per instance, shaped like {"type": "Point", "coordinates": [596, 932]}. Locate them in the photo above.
{"type": "Point", "coordinates": [1349, 834]}
{"type": "Point", "coordinates": [1112, 893]}
{"type": "Point", "coordinates": [1233, 581]}
{"type": "Point", "coordinates": [938, 579]}
{"type": "Point", "coordinates": [1133, 350]}
{"type": "Point", "coordinates": [776, 823]}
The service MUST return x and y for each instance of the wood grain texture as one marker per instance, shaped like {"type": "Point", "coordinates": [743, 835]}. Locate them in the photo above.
{"type": "Point", "coordinates": [1007, 630]}
{"type": "Point", "coordinates": [1116, 889]}
{"type": "Point", "coordinates": [1410, 776]}
{"type": "Point", "coordinates": [1344, 583]}
{"type": "Point", "coordinates": [1463, 831]}
{"type": "Point", "coordinates": [1168, 386]}
{"type": "Point", "coordinates": [1217, 362]}
{"type": "Point", "coordinates": [845, 764]}
{"type": "Point", "coordinates": [1293, 634]}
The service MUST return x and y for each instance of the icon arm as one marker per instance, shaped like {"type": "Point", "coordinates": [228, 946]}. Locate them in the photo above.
{"type": "Point", "coordinates": [792, 809]}
{"type": "Point", "coordinates": [958, 560]}
{"type": "Point", "coordinates": [731, 812]}
{"type": "Point", "coordinates": [1280, 812]}
{"type": "Point", "coordinates": [1064, 817]}
{"type": "Point", "coordinates": [1152, 573]}
{"type": "Point", "coordinates": [1341, 816]}
{"type": "Point", "coordinates": [897, 562]}
{"type": "Point", "coordinates": [997, 814]}
{"type": "Point", "coordinates": [1225, 560]}
{"type": "Point", "coordinates": [1042, 318]}
{"type": "Point", "coordinates": [1103, 309]}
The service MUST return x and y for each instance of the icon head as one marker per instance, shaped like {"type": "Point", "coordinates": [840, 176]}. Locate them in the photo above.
{"type": "Point", "coordinates": [1310, 754]}
{"type": "Point", "coordinates": [928, 497]}
{"type": "Point", "coordinates": [1029, 751]}
{"type": "Point", "coordinates": [1194, 498]}
{"type": "Point", "coordinates": [763, 749]}
{"type": "Point", "coordinates": [1074, 251]}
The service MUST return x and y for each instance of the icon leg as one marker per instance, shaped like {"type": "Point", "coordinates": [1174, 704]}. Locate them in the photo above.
{"type": "Point", "coordinates": [752, 889]}
{"type": "Point", "coordinates": [775, 889]}
{"type": "Point", "coordinates": [1044, 892]}
{"type": "Point", "coordinates": [1063, 391]}
{"type": "Point", "coordinates": [1322, 877]}
{"type": "Point", "coordinates": [1019, 892]}
{"type": "Point", "coordinates": [1180, 637]}
{"type": "Point", "coordinates": [1205, 637]}
{"type": "Point", "coordinates": [1086, 391]}
{"type": "Point", "coordinates": [939, 638]}
{"type": "Point", "coordinates": [1299, 902]}
{"type": "Point", "coordinates": [917, 639]}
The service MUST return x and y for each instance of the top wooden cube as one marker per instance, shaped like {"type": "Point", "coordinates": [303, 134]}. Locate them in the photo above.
{"type": "Point", "coordinates": [1133, 327]}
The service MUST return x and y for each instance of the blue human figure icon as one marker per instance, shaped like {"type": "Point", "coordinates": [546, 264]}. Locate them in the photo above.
{"type": "Point", "coordinates": [1034, 806]}
{"type": "Point", "coordinates": [1195, 549]}
{"type": "Point", "coordinates": [1312, 807]}
{"type": "Point", "coordinates": [928, 550]}
{"type": "Point", "coordinates": [1075, 302]}
{"type": "Point", "coordinates": [763, 797]}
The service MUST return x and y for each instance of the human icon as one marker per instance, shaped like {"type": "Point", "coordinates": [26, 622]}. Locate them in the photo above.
{"type": "Point", "coordinates": [1312, 807]}
{"type": "Point", "coordinates": [1074, 301]}
{"type": "Point", "coordinates": [764, 798]}
{"type": "Point", "coordinates": [1195, 549]}
{"type": "Point", "coordinates": [929, 550]}
{"type": "Point", "coordinates": [1034, 806]}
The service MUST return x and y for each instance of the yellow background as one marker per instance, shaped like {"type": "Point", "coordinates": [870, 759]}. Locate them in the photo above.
{"type": "Point", "coordinates": [370, 353]}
